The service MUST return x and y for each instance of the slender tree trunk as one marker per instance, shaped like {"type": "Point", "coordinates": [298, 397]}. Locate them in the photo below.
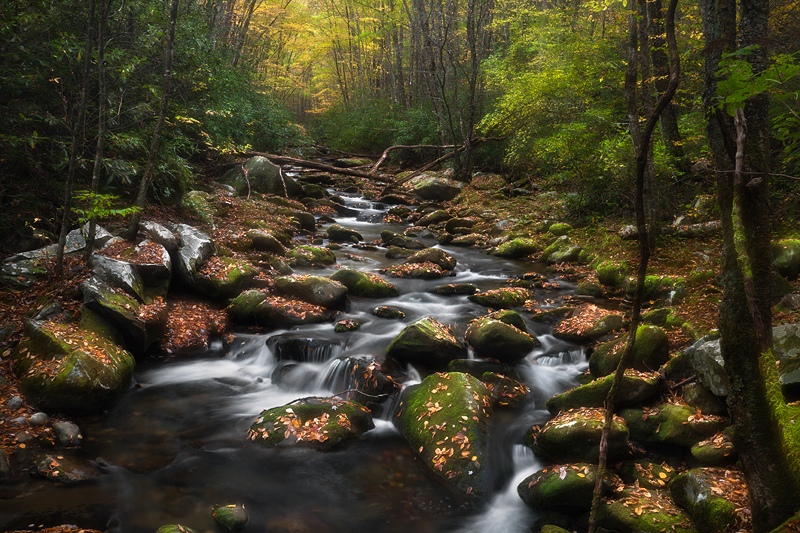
{"type": "Point", "coordinates": [644, 246]}
{"type": "Point", "coordinates": [652, 192]}
{"type": "Point", "coordinates": [77, 141]}
{"type": "Point", "coordinates": [101, 124]}
{"type": "Point", "coordinates": [133, 229]}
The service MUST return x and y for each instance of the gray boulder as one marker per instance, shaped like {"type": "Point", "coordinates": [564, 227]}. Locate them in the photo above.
{"type": "Point", "coordinates": [435, 189]}
{"type": "Point", "coordinates": [316, 290]}
{"type": "Point", "coordinates": [119, 274]}
{"type": "Point", "coordinates": [340, 233]}
{"type": "Point", "coordinates": [390, 238]}
{"type": "Point", "coordinates": [265, 242]}
{"type": "Point", "coordinates": [258, 174]}
{"type": "Point", "coordinates": [786, 341]}
{"type": "Point", "coordinates": [161, 235]}
{"type": "Point", "coordinates": [433, 255]}
{"type": "Point", "coordinates": [196, 248]}
{"type": "Point", "coordinates": [786, 256]}
{"type": "Point", "coordinates": [706, 357]}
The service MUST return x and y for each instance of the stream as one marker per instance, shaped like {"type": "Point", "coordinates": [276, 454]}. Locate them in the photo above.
{"type": "Point", "coordinates": [172, 447]}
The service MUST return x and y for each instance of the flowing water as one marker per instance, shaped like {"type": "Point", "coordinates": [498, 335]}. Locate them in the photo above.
{"type": "Point", "coordinates": [173, 446]}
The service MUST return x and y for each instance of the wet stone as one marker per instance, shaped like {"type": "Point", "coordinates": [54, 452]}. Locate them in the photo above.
{"type": "Point", "coordinates": [14, 403]}
{"type": "Point", "coordinates": [68, 434]}
{"type": "Point", "coordinates": [231, 517]}
{"type": "Point", "coordinates": [38, 419]}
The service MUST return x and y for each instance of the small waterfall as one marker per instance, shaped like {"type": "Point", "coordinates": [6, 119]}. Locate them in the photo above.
{"type": "Point", "coordinates": [565, 357]}
{"type": "Point", "coordinates": [302, 349]}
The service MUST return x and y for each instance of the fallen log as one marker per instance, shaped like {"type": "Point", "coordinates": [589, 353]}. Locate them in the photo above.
{"type": "Point", "coordinates": [687, 230]}
{"type": "Point", "coordinates": [284, 160]}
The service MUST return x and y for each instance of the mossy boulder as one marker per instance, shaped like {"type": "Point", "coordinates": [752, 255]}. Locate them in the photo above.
{"type": "Point", "coordinates": [341, 234]}
{"type": "Point", "coordinates": [644, 511]}
{"type": "Point", "coordinates": [456, 289]}
{"type": "Point", "coordinates": [19, 275]}
{"type": "Point", "coordinates": [316, 290]}
{"type": "Point", "coordinates": [435, 189]}
{"type": "Point", "coordinates": [560, 228]}
{"type": "Point", "coordinates": [574, 435]}
{"type": "Point", "coordinates": [504, 391]}
{"type": "Point", "coordinates": [433, 255]}
{"type": "Point", "coordinates": [175, 528]}
{"type": "Point", "coordinates": [445, 420]}
{"type": "Point", "coordinates": [786, 256]}
{"type": "Point", "coordinates": [426, 270]}
{"type": "Point", "coordinates": [230, 517]}
{"type": "Point", "coordinates": [364, 284]}
{"type": "Point", "coordinates": [517, 248]}
{"type": "Point", "coordinates": [698, 492]}
{"type": "Point", "coordinates": [310, 256]}
{"type": "Point", "coordinates": [198, 203]}
{"type": "Point", "coordinates": [243, 307]}
{"type": "Point", "coordinates": [503, 298]}
{"type": "Point", "coordinates": [440, 215]}
{"type": "Point", "coordinates": [264, 241]}
{"type": "Point", "coordinates": [390, 238]}
{"type": "Point", "coordinates": [66, 369]}
{"type": "Point", "coordinates": [612, 274]}
{"type": "Point", "coordinates": [454, 224]}
{"type": "Point", "coordinates": [260, 175]}
{"type": "Point", "coordinates": [427, 342]}
{"type": "Point", "coordinates": [677, 425]}
{"type": "Point", "coordinates": [575, 329]}
{"type": "Point", "coordinates": [306, 220]}
{"type": "Point", "coordinates": [119, 274]}
{"type": "Point", "coordinates": [561, 250]}
{"type": "Point", "coordinates": [320, 423]}
{"type": "Point", "coordinates": [715, 451]}
{"type": "Point", "coordinates": [386, 311]}
{"type": "Point", "coordinates": [494, 337]}
{"type": "Point", "coordinates": [590, 288]}
{"type": "Point", "coordinates": [278, 311]}
{"type": "Point", "coordinates": [786, 340]}
{"type": "Point", "coordinates": [567, 488]}
{"type": "Point", "coordinates": [655, 287]}
{"type": "Point", "coordinates": [139, 331]}
{"type": "Point", "coordinates": [224, 276]}
{"type": "Point", "coordinates": [635, 388]}
{"type": "Point", "coordinates": [646, 474]}
{"type": "Point", "coordinates": [650, 351]}
{"type": "Point", "coordinates": [699, 397]}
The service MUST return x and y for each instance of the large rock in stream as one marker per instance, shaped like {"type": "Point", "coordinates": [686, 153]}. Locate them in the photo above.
{"type": "Point", "coordinates": [445, 420]}
{"type": "Point", "coordinates": [501, 335]}
{"type": "Point", "coordinates": [427, 342]}
{"type": "Point", "coordinates": [321, 423]}
{"type": "Point", "coordinates": [574, 435]}
{"type": "Point", "coordinates": [316, 290]}
{"type": "Point", "coordinates": [650, 351]}
{"type": "Point", "coordinates": [260, 175]}
{"type": "Point", "coordinates": [566, 488]}
{"type": "Point", "coordinates": [636, 388]}
{"type": "Point", "coordinates": [364, 284]}
{"type": "Point", "coordinates": [71, 368]}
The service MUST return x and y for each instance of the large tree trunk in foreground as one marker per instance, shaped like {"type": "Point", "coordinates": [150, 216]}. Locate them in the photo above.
{"type": "Point", "coordinates": [745, 316]}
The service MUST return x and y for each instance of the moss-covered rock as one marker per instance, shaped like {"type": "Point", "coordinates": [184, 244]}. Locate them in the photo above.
{"type": "Point", "coordinates": [560, 228]}
{"type": "Point", "coordinates": [434, 188]}
{"type": "Point", "coordinates": [635, 388]}
{"type": "Point", "coordinates": [786, 341]}
{"type": "Point", "coordinates": [503, 390]}
{"type": "Point", "coordinates": [590, 288]}
{"type": "Point", "coordinates": [440, 215]}
{"type": "Point", "coordinates": [364, 284]}
{"type": "Point", "coordinates": [698, 492]}
{"type": "Point", "coordinates": [612, 274]}
{"type": "Point", "coordinates": [316, 290]}
{"type": "Point", "coordinates": [492, 337]}
{"type": "Point", "coordinates": [306, 220]}
{"type": "Point", "coordinates": [386, 311]}
{"type": "Point", "coordinates": [427, 342]}
{"type": "Point", "coordinates": [646, 474]}
{"type": "Point", "coordinates": [445, 420]}
{"type": "Point", "coordinates": [392, 239]}
{"type": "Point", "coordinates": [198, 203]}
{"type": "Point", "coordinates": [66, 369]}
{"type": "Point", "coordinates": [566, 487]}
{"type": "Point", "coordinates": [310, 256]}
{"type": "Point", "coordinates": [224, 276]}
{"type": "Point", "coordinates": [264, 241]}
{"type": "Point", "coordinates": [503, 298]}
{"type": "Point", "coordinates": [231, 517]}
{"type": "Point", "coordinates": [715, 451]}
{"type": "Point", "coordinates": [574, 435]}
{"type": "Point", "coordinates": [18, 275]}
{"type": "Point", "coordinates": [260, 175]}
{"type": "Point", "coordinates": [454, 224]}
{"type": "Point", "coordinates": [343, 326]}
{"type": "Point", "coordinates": [277, 311]}
{"type": "Point", "coordinates": [517, 248]}
{"type": "Point", "coordinates": [321, 423]}
{"type": "Point", "coordinates": [433, 255]}
{"type": "Point", "coordinates": [243, 307]}
{"type": "Point", "coordinates": [553, 315]}
{"type": "Point", "coordinates": [175, 528]}
{"type": "Point", "coordinates": [786, 256]}
{"type": "Point", "coordinates": [677, 425]}
{"type": "Point", "coordinates": [455, 289]}
{"type": "Point", "coordinates": [644, 511]}
{"type": "Point", "coordinates": [139, 330]}
{"type": "Point", "coordinates": [561, 251]}
{"type": "Point", "coordinates": [699, 397]}
{"type": "Point", "coordinates": [650, 351]}
{"type": "Point", "coordinates": [587, 326]}
{"type": "Point", "coordinates": [340, 233]}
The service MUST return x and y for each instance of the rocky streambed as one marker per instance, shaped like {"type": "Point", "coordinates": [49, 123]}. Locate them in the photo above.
{"type": "Point", "coordinates": [374, 370]}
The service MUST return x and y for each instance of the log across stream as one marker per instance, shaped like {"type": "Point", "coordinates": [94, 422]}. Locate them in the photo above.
{"type": "Point", "coordinates": [172, 447]}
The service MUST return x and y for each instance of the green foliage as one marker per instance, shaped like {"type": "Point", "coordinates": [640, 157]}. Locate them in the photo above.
{"type": "Point", "coordinates": [90, 205]}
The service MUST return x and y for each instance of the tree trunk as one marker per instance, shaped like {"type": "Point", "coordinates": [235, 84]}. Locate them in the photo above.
{"type": "Point", "coordinates": [77, 141]}
{"type": "Point", "coordinates": [133, 229]}
{"type": "Point", "coordinates": [745, 313]}
{"type": "Point", "coordinates": [101, 126]}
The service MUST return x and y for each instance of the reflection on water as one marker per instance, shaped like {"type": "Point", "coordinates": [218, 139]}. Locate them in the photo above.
{"type": "Point", "coordinates": [173, 446]}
